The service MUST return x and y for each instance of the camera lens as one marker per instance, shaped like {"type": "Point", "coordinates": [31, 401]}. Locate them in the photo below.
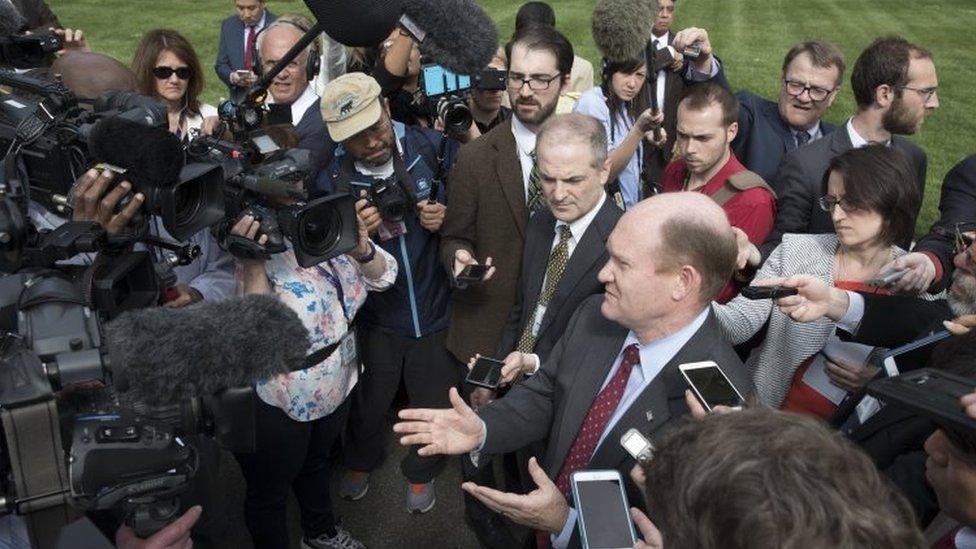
{"type": "Point", "coordinates": [187, 199]}
{"type": "Point", "coordinates": [319, 230]}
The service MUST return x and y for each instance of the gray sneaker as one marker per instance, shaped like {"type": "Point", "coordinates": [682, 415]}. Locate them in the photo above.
{"type": "Point", "coordinates": [421, 497]}
{"type": "Point", "coordinates": [341, 540]}
{"type": "Point", "coordinates": [353, 485]}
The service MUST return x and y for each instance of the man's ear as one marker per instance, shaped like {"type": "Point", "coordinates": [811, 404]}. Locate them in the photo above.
{"type": "Point", "coordinates": [732, 131]}
{"type": "Point", "coordinates": [884, 95]}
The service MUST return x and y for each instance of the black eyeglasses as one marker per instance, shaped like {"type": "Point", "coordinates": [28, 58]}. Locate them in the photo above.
{"type": "Point", "coordinates": [535, 82]}
{"type": "Point", "coordinates": [961, 233]}
{"type": "Point", "coordinates": [816, 93]}
{"type": "Point", "coordinates": [828, 202]}
{"type": "Point", "coordinates": [926, 93]}
{"type": "Point", "coordinates": [163, 73]}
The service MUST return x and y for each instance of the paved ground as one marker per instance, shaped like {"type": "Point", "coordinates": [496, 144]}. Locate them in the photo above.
{"type": "Point", "coordinates": [380, 519]}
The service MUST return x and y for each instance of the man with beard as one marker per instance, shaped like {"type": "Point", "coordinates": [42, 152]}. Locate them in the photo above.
{"type": "Point", "coordinates": [896, 88]}
{"type": "Point", "coordinates": [401, 331]}
{"type": "Point", "coordinates": [494, 189]}
{"type": "Point", "coordinates": [707, 115]}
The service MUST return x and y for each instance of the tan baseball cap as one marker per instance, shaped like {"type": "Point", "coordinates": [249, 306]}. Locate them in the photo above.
{"type": "Point", "coordinates": [350, 104]}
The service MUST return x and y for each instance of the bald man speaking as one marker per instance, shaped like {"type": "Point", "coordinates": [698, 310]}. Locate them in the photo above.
{"type": "Point", "coordinates": [615, 367]}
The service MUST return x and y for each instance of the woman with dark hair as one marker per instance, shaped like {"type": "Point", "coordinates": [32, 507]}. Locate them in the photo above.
{"type": "Point", "coordinates": [620, 103]}
{"type": "Point", "coordinates": [167, 68]}
{"type": "Point", "coordinates": [803, 367]}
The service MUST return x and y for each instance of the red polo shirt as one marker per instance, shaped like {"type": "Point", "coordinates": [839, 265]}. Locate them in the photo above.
{"type": "Point", "coordinates": [753, 210]}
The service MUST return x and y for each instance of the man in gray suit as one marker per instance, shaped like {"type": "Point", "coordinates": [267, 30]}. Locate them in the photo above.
{"type": "Point", "coordinates": [896, 88]}
{"type": "Point", "coordinates": [615, 368]}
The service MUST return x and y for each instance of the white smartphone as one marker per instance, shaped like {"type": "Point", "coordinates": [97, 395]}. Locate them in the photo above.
{"type": "Point", "coordinates": [638, 446]}
{"type": "Point", "coordinates": [604, 515]}
{"type": "Point", "coordinates": [890, 360]}
{"type": "Point", "coordinates": [710, 385]}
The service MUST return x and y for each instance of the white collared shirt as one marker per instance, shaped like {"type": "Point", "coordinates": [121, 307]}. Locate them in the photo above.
{"type": "Point", "coordinates": [661, 42]}
{"type": "Point", "coordinates": [300, 105]}
{"type": "Point", "coordinates": [816, 132]}
{"type": "Point", "coordinates": [257, 28]}
{"type": "Point", "coordinates": [577, 228]}
{"type": "Point", "coordinates": [856, 140]}
{"type": "Point", "coordinates": [524, 145]}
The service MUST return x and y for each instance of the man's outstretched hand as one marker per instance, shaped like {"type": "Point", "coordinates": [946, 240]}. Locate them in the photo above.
{"type": "Point", "coordinates": [449, 431]}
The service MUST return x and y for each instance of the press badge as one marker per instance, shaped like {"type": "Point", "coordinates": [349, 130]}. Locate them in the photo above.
{"type": "Point", "coordinates": [390, 230]}
{"type": "Point", "coordinates": [347, 350]}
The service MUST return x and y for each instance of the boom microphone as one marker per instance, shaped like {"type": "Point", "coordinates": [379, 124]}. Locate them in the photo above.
{"type": "Point", "coordinates": [621, 28]}
{"type": "Point", "coordinates": [164, 356]}
{"type": "Point", "coordinates": [456, 33]}
{"type": "Point", "coordinates": [11, 22]}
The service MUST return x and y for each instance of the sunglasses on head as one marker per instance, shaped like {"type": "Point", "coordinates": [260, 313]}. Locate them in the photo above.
{"type": "Point", "coordinates": [163, 73]}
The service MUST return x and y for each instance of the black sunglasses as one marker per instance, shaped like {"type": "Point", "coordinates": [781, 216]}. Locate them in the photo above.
{"type": "Point", "coordinates": [163, 73]}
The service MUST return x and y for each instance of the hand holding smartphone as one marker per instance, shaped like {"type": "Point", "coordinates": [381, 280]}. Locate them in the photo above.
{"type": "Point", "coordinates": [767, 292]}
{"type": "Point", "coordinates": [604, 516]}
{"type": "Point", "coordinates": [472, 274]}
{"type": "Point", "coordinates": [486, 372]}
{"type": "Point", "coordinates": [710, 385]}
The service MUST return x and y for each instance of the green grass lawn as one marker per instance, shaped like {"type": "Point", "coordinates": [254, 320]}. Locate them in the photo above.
{"type": "Point", "coordinates": [751, 36]}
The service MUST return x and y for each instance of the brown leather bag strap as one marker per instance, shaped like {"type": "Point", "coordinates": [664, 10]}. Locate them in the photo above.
{"type": "Point", "coordinates": [742, 181]}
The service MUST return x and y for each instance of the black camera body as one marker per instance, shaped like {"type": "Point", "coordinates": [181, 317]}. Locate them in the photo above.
{"type": "Point", "coordinates": [491, 79]}
{"type": "Point", "coordinates": [445, 95]}
{"type": "Point", "coordinates": [28, 51]}
{"type": "Point", "coordinates": [391, 199]}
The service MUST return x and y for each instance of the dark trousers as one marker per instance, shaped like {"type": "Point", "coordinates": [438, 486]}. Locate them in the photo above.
{"type": "Point", "coordinates": [427, 370]}
{"type": "Point", "coordinates": [289, 454]}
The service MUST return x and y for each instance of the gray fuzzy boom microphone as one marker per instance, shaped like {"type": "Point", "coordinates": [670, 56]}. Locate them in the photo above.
{"type": "Point", "coordinates": [621, 28]}
{"type": "Point", "coordinates": [163, 356]}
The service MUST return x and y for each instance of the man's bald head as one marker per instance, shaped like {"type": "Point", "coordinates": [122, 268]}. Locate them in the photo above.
{"type": "Point", "coordinates": [687, 228]}
{"type": "Point", "coordinates": [89, 75]}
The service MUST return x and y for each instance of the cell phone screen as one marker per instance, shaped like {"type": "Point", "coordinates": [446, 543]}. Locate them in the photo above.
{"type": "Point", "coordinates": [713, 386]}
{"type": "Point", "coordinates": [438, 80]}
{"type": "Point", "coordinates": [603, 512]}
{"type": "Point", "coordinates": [486, 372]}
{"type": "Point", "coordinates": [472, 273]}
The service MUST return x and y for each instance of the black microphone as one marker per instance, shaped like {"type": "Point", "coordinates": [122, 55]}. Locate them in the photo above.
{"type": "Point", "coordinates": [621, 28]}
{"type": "Point", "coordinates": [456, 33]}
{"type": "Point", "coordinates": [11, 22]}
{"type": "Point", "coordinates": [163, 356]}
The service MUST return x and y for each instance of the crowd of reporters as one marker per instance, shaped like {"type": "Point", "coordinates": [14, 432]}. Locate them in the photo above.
{"type": "Point", "coordinates": [604, 267]}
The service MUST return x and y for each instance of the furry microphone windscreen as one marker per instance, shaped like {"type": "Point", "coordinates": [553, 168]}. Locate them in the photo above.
{"type": "Point", "coordinates": [151, 155]}
{"type": "Point", "coordinates": [621, 28]}
{"type": "Point", "coordinates": [356, 23]}
{"type": "Point", "coordinates": [163, 356]}
{"type": "Point", "coordinates": [11, 22]}
{"type": "Point", "coordinates": [460, 35]}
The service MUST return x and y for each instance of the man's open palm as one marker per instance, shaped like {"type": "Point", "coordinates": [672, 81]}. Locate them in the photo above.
{"type": "Point", "coordinates": [450, 431]}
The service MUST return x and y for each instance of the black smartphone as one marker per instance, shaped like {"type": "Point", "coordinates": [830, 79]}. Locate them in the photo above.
{"type": "Point", "coordinates": [930, 393]}
{"type": "Point", "coordinates": [486, 372]}
{"type": "Point", "coordinates": [472, 274]}
{"type": "Point", "coordinates": [767, 292]}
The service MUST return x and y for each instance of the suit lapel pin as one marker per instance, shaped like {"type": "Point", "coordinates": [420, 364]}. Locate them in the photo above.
{"type": "Point", "coordinates": [649, 415]}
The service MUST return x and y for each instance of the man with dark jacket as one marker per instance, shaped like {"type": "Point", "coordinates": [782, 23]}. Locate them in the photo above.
{"type": "Point", "coordinates": [812, 73]}
{"type": "Point", "coordinates": [237, 59]}
{"type": "Point", "coordinates": [400, 331]}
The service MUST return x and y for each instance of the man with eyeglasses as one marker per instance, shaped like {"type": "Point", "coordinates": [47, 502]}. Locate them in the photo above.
{"type": "Point", "coordinates": [401, 331]}
{"type": "Point", "coordinates": [896, 88]}
{"type": "Point", "coordinates": [812, 73]}
{"type": "Point", "coordinates": [291, 87]}
{"type": "Point", "coordinates": [494, 189]}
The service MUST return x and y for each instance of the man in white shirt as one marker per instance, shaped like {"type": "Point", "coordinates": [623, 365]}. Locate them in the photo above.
{"type": "Point", "coordinates": [237, 55]}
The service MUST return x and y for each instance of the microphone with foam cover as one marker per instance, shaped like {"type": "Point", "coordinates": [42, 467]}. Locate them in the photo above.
{"type": "Point", "coordinates": [163, 356]}
{"type": "Point", "coordinates": [621, 28]}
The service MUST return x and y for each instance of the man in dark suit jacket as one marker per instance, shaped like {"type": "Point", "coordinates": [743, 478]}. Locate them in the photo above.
{"type": "Point", "coordinates": [670, 74]}
{"type": "Point", "coordinates": [233, 41]}
{"type": "Point", "coordinates": [812, 73]}
{"type": "Point", "coordinates": [491, 185]}
{"type": "Point", "coordinates": [615, 368]}
{"type": "Point", "coordinates": [892, 101]}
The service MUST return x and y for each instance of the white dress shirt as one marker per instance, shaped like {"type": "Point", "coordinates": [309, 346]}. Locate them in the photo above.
{"type": "Point", "coordinates": [257, 28]}
{"type": "Point", "coordinates": [525, 145]}
{"type": "Point", "coordinates": [856, 140]}
{"type": "Point", "coordinates": [300, 105]}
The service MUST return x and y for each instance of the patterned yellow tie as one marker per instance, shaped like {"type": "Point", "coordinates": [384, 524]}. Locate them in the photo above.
{"type": "Point", "coordinates": [554, 271]}
{"type": "Point", "coordinates": [535, 201]}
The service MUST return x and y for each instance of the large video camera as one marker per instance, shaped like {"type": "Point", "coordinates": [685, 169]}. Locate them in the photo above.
{"type": "Point", "coordinates": [27, 51]}
{"type": "Point", "coordinates": [445, 94]}
{"type": "Point", "coordinates": [54, 141]}
{"type": "Point", "coordinates": [270, 184]}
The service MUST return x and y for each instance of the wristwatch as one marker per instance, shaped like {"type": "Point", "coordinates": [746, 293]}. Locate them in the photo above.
{"type": "Point", "coordinates": [363, 259]}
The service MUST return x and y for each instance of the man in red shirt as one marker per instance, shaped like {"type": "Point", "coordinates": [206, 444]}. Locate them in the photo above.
{"type": "Point", "coordinates": [706, 126]}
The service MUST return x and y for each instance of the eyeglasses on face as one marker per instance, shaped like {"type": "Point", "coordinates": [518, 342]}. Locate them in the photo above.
{"type": "Point", "coordinates": [925, 93]}
{"type": "Point", "coordinates": [535, 82]}
{"type": "Point", "coordinates": [828, 202]}
{"type": "Point", "coordinates": [163, 73]}
{"type": "Point", "coordinates": [796, 89]}
{"type": "Point", "coordinates": [963, 234]}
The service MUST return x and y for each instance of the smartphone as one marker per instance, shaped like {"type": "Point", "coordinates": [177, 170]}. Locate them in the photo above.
{"type": "Point", "coordinates": [930, 393]}
{"type": "Point", "coordinates": [889, 361]}
{"type": "Point", "coordinates": [887, 278]}
{"type": "Point", "coordinates": [710, 385]}
{"type": "Point", "coordinates": [638, 446]}
{"type": "Point", "coordinates": [472, 274]}
{"type": "Point", "coordinates": [243, 74]}
{"type": "Point", "coordinates": [693, 51]}
{"type": "Point", "coordinates": [486, 372]}
{"type": "Point", "coordinates": [604, 516]}
{"type": "Point", "coordinates": [767, 292]}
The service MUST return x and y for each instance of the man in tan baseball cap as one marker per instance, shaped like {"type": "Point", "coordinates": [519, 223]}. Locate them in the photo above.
{"type": "Point", "coordinates": [350, 104]}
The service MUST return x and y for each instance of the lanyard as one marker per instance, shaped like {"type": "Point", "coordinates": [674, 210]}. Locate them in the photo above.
{"type": "Point", "coordinates": [330, 275]}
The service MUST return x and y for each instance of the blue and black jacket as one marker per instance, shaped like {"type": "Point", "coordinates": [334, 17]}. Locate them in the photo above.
{"type": "Point", "coordinates": [418, 304]}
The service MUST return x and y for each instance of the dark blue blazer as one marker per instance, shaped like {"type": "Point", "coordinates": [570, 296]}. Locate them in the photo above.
{"type": "Point", "coordinates": [764, 137]}
{"type": "Point", "coordinates": [230, 52]}
{"type": "Point", "coordinates": [313, 136]}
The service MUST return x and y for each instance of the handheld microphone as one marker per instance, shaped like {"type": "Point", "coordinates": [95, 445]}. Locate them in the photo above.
{"type": "Point", "coordinates": [162, 356]}
{"type": "Point", "coordinates": [457, 34]}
